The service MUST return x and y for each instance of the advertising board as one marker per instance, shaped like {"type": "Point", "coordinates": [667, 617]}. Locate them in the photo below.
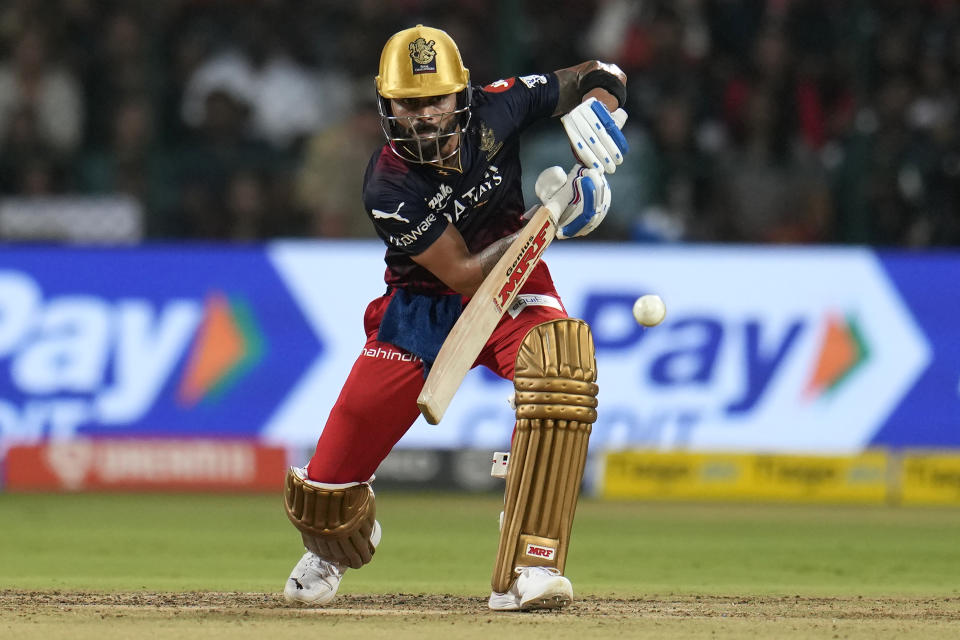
{"type": "Point", "coordinates": [776, 350]}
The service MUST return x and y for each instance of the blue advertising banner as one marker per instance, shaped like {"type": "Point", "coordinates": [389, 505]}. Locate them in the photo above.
{"type": "Point", "coordinates": [156, 341]}
{"type": "Point", "coordinates": [929, 415]}
{"type": "Point", "coordinates": [805, 350]}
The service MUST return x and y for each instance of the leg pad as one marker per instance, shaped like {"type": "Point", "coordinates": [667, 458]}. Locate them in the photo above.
{"type": "Point", "coordinates": [556, 398]}
{"type": "Point", "coordinates": [335, 520]}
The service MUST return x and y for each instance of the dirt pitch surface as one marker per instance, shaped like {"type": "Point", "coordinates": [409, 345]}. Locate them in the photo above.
{"type": "Point", "coordinates": [53, 614]}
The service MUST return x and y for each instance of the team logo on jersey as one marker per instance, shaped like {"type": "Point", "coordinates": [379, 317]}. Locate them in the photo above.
{"type": "Point", "coordinates": [499, 86]}
{"type": "Point", "coordinates": [422, 56]}
{"type": "Point", "coordinates": [488, 141]}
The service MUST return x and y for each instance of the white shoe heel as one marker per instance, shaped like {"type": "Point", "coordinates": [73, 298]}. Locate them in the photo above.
{"type": "Point", "coordinates": [534, 588]}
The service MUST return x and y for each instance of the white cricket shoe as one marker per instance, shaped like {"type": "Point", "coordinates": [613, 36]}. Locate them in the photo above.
{"type": "Point", "coordinates": [535, 588]}
{"type": "Point", "coordinates": [315, 580]}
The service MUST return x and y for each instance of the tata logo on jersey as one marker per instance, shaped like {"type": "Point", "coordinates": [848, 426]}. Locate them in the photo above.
{"type": "Point", "coordinates": [80, 358]}
{"type": "Point", "coordinates": [475, 195]}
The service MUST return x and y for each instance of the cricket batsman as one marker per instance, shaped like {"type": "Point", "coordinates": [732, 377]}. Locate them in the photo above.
{"type": "Point", "coordinates": [444, 194]}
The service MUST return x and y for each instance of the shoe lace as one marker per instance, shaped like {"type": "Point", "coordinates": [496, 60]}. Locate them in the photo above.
{"type": "Point", "coordinates": [325, 568]}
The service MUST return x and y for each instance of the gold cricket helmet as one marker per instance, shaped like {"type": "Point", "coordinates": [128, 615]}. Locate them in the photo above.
{"type": "Point", "coordinates": [422, 62]}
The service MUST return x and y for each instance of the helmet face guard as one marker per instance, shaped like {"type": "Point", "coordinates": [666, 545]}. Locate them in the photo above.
{"type": "Point", "coordinates": [405, 141]}
{"type": "Point", "coordinates": [418, 63]}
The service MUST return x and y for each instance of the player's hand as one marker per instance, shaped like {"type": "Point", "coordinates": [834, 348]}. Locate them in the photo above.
{"type": "Point", "coordinates": [578, 201]}
{"type": "Point", "coordinates": [595, 135]}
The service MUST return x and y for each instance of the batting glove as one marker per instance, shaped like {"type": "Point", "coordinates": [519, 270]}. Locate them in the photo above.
{"type": "Point", "coordinates": [578, 201]}
{"type": "Point", "coordinates": [595, 135]}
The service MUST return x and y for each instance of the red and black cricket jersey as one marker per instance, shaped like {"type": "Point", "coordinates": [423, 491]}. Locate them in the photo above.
{"type": "Point", "coordinates": [411, 204]}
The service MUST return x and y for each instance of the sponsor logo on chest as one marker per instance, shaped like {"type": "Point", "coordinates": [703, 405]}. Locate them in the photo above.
{"type": "Point", "coordinates": [476, 196]}
{"type": "Point", "coordinates": [440, 198]}
{"type": "Point", "coordinates": [409, 237]}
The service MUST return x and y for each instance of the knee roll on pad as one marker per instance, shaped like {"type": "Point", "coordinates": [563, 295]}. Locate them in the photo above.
{"type": "Point", "coordinates": [335, 520]}
{"type": "Point", "coordinates": [556, 400]}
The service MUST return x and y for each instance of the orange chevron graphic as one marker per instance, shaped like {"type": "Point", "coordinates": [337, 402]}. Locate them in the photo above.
{"type": "Point", "coordinates": [841, 351]}
{"type": "Point", "coordinates": [220, 347]}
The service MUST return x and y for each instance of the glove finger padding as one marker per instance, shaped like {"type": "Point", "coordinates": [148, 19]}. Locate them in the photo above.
{"type": "Point", "coordinates": [595, 135]}
{"type": "Point", "coordinates": [549, 182]}
{"type": "Point", "coordinates": [555, 190]}
{"type": "Point", "coordinates": [580, 202]}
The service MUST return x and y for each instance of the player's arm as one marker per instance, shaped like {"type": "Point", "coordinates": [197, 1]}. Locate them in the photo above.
{"type": "Point", "coordinates": [448, 257]}
{"type": "Point", "coordinates": [450, 260]}
{"type": "Point", "coordinates": [578, 201]}
{"type": "Point", "coordinates": [591, 79]}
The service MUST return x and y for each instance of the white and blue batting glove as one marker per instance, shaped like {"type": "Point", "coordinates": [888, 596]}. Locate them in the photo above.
{"type": "Point", "coordinates": [595, 135]}
{"type": "Point", "coordinates": [578, 201]}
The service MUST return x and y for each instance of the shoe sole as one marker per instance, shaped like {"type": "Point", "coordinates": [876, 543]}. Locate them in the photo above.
{"type": "Point", "coordinates": [307, 602]}
{"type": "Point", "coordinates": [557, 601]}
{"type": "Point", "coordinates": [319, 602]}
{"type": "Point", "coordinates": [555, 596]}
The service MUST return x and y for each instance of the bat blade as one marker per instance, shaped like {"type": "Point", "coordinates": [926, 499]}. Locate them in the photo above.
{"type": "Point", "coordinates": [478, 320]}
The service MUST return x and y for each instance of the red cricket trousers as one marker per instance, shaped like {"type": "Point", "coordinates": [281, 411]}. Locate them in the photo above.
{"type": "Point", "coordinates": [378, 402]}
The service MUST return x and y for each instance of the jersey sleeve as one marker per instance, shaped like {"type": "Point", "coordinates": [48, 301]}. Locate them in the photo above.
{"type": "Point", "coordinates": [527, 99]}
{"type": "Point", "coordinates": [401, 218]}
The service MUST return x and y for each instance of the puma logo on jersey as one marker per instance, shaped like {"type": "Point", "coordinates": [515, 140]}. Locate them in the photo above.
{"type": "Point", "coordinates": [383, 215]}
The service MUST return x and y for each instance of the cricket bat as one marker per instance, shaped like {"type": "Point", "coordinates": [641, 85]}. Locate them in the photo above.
{"type": "Point", "coordinates": [477, 322]}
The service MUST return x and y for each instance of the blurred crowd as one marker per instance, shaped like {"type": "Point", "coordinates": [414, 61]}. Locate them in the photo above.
{"type": "Point", "coordinates": [769, 121]}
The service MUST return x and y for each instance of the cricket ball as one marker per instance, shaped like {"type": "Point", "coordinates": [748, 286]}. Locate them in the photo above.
{"type": "Point", "coordinates": [649, 310]}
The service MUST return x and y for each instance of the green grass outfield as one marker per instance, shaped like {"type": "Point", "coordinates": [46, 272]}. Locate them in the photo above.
{"type": "Point", "coordinates": [444, 544]}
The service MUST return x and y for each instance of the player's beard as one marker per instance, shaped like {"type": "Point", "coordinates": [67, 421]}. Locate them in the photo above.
{"type": "Point", "coordinates": [431, 143]}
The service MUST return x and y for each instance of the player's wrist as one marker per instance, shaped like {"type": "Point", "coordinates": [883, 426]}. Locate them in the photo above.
{"type": "Point", "coordinates": [609, 82]}
{"type": "Point", "coordinates": [605, 98]}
